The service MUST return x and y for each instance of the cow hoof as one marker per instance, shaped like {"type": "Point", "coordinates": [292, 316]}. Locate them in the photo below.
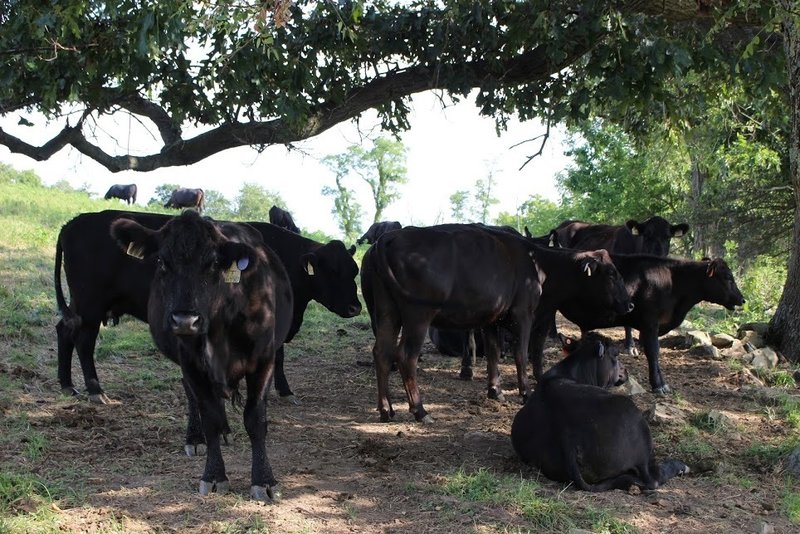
{"type": "Point", "coordinates": [496, 395]}
{"type": "Point", "coordinates": [99, 398]}
{"type": "Point", "coordinates": [196, 449]}
{"type": "Point", "coordinates": [465, 374]}
{"type": "Point", "coordinates": [70, 392]}
{"type": "Point", "coordinates": [633, 351]}
{"type": "Point", "coordinates": [291, 399]}
{"type": "Point", "coordinates": [265, 494]}
{"type": "Point", "coordinates": [427, 420]}
{"type": "Point", "coordinates": [216, 487]}
{"type": "Point", "coordinates": [663, 390]}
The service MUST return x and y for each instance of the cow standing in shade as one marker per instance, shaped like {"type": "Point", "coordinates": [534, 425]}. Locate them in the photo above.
{"type": "Point", "coordinates": [122, 192]}
{"type": "Point", "coordinates": [663, 290]}
{"type": "Point", "coordinates": [186, 198]}
{"type": "Point", "coordinates": [378, 229]}
{"type": "Point", "coordinates": [220, 305]}
{"type": "Point", "coordinates": [574, 430]}
{"type": "Point", "coordinates": [467, 276]}
{"type": "Point", "coordinates": [652, 236]}
{"type": "Point", "coordinates": [105, 284]}
{"type": "Point", "coordinates": [282, 218]}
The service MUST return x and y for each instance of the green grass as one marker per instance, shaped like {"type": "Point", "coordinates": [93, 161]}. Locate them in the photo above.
{"type": "Point", "coordinates": [791, 505]}
{"type": "Point", "coordinates": [26, 504]}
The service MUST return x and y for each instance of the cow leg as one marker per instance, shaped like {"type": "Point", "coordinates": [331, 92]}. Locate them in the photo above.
{"type": "Point", "coordinates": [85, 342]}
{"type": "Point", "coordinates": [65, 347]}
{"type": "Point", "coordinates": [212, 419]}
{"type": "Point", "coordinates": [539, 334]}
{"type": "Point", "coordinates": [263, 486]}
{"type": "Point", "coordinates": [281, 384]}
{"type": "Point", "coordinates": [521, 346]}
{"type": "Point", "coordinates": [410, 346]}
{"type": "Point", "coordinates": [468, 357]}
{"type": "Point", "coordinates": [383, 353]}
{"type": "Point", "coordinates": [491, 348]}
{"type": "Point", "coordinates": [649, 340]}
{"type": "Point", "coordinates": [630, 344]}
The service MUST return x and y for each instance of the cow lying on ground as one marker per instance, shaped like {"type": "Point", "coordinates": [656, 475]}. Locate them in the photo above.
{"type": "Point", "coordinates": [122, 192]}
{"type": "Point", "coordinates": [220, 304]}
{"type": "Point", "coordinates": [282, 218]}
{"type": "Point", "coordinates": [186, 198]}
{"type": "Point", "coordinates": [467, 276]}
{"type": "Point", "coordinates": [574, 430]}
{"type": "Point", "coordinates": [663, 290]}
{"type": "Point", "coordinates": [105, 283]}
{"type": "Point", "coordinates": [378, 229]}
{"type": "Point", "coordinates": [649, 237]}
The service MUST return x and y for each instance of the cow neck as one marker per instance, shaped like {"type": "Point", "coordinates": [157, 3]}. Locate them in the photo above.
{"type": "Point", "coordinates": [553, 263]}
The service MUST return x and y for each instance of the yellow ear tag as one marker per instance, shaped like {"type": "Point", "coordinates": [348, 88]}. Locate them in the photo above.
{"type": "Point", "coordinates": [309, 268]}
{"type": "Point", "coordinates": [135, 250]}
{"type": "Point", "coordinates": [232, 275]}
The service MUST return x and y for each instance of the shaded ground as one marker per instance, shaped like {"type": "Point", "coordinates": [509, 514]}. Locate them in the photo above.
{"type": "Point", "coordinates": [122, 465]}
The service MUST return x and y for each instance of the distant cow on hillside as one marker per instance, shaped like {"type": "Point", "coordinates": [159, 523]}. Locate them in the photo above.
{"type": "Point", "coordinates": [186, 198]}
{"type": "Point", "coordinates": [122, 192]}
{"type": "Point", "coordinates": [378, 229]}
{"type": "Point", "coordinates": [282, 218]}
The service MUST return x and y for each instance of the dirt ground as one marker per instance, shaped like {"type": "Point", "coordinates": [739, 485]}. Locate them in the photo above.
{"type": "Point", "coordinates": [341, 470]}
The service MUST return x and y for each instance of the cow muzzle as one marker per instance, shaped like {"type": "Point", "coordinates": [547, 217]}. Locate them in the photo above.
{"type": "Point", "coordinates": [185, 324]}
{"type": "Point", "coordinates": [354, 310]}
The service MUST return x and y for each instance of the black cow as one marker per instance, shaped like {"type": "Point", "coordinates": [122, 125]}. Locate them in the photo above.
{"type": "Point", "coordinates": [186, 198]}
{"type": "Point", "coordinates": [649, 237]}
{"type": "Point", "coordinates": [467, 276]}
{"type": "Point", "coordinates": [282, 218]}
{"type": "Point", "coordinates": [122, 192]}
{"type": "Point", "coordinates": [663, 290]}
{"type": "Point", "coordinates": [220, 305]}
{"type": "Point", "coordinates": [574, 430]}
{"type": "Point", "coordinates": [378, 229]}
{"type": "Point", "coordinates": [105, 283]}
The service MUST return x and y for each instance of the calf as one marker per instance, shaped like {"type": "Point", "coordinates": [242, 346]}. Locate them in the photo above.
{"type": "Point", "coordinates": [574, 430]}
{"type": "Point", "coordinates": [466, 276]}
{"type": "Point", "coordinates": [220, 305]}
{"type": "Point", "coordinates": [378, 229]}
{"type": "Point", "coordinates": [282, 218]}
{"type": "Point", "coordinates": [663, 290]}
{"type": "Point", "coordinates": [122, 192]}
{"type": "Point", "coordinates": [105, 283]}
{"type": "Point", "coordinates": [186, 198]}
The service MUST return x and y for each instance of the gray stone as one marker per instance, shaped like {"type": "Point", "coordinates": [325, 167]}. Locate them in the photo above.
{"type": "Point", "coordinates": [766, 528]}
{"type": "Point", "coordinates": [722, 341]}
{"type": "Point", "coordinates": [793, 463]}
{"type": "Point", "coordinates": [761, 328]}
{"type": "Point", "coordinates": [752, 337]}
{"type": "Point", "coordinates": [706, 351]}
{"type": "Point", "coordinates": [630, 388]}
{"type": "Point", "coordinates": [665, 413]}
{"type": "Point", "coordinates": [697, 337]}
{"type": "Point", "coordinates": [765, 358]}
{"type": "Point", "coordinates": [719, 419]}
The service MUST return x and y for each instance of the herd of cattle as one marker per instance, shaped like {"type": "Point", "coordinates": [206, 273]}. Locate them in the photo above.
{"type": "Point", "coordinates": [221, 300]}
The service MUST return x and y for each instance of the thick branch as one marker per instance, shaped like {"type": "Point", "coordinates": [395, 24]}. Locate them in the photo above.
{"type": "Point", "coordinates": [170, 132]}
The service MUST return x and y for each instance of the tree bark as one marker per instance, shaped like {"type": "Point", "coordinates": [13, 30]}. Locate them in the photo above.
{"type": "Point", "coordinates": [784, 331]}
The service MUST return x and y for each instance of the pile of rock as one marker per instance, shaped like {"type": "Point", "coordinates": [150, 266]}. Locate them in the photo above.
{"type": "Point", "coordinates": [749, 346]}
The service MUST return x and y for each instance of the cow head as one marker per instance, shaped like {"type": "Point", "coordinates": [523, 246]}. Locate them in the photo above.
{"type": "Point", "coordinates": [593, 360]}
{"type": "Point", "coordinates": [720, 287]}
{"type": "Point", "coordinates": [332, 272]}
{"type": "Point", "coordinates": [602, 282]}
{"type": "Point", "coordinates": [196, 267]}
{"type": "Point", "coordinates": [655, 234]}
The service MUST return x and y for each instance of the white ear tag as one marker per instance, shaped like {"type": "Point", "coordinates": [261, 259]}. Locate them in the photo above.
{"type": "Point", "coordinates": [587, 270]}
{"type": "Point", "coordinates": [137, 251]}
{"type": "Point", "coordinates": [635, 230]}
{"type": "Point", "coordinates": [232, 275]}
{"type": "Point", "coordinates": [309, 268]}
{"type": "Point", "coordinates": [552, 242]}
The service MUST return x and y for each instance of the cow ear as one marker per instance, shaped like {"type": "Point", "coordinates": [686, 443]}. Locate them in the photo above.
{"type": "Point", "coordinates": [679, 230]}
{"type": "Point", "coordinates": [633, 226]}
{"type": "Point", "coordinates": [527, 232]}
{"type": "Point", "coordinates": [309, 262]}
{"type": "Point", "coordinates": [135, 239]}
{"type": "Point", "coordinates": [232, 252]}
{"type": "Point", "coordinates": [352, 250]}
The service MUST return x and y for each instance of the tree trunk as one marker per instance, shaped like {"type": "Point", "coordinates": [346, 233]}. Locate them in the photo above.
{"type": "Point", "coordinates": [698, 224]}
{"type": "Point", "coordinates": [784, 332]}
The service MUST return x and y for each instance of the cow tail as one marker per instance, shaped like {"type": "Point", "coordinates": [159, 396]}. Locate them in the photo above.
{"type": "Point", "coordinates": [201, 201]}
{"type": "Point", "coordinates": [70, 318]}
{"type": "Point", "coordinates": [135, 190]}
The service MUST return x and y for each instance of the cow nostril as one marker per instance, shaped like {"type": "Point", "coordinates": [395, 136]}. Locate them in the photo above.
{"type": "Point", "coordinates": [355, 309]}
{"type": "Point", "coordinates": [185, 323]}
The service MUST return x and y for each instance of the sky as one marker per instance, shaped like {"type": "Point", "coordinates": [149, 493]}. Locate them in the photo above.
{"type": "Point", "coordinates": [448, 150]}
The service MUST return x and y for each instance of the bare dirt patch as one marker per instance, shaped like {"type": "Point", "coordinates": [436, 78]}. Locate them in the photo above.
{"type": "Point", "coordinates": [123, 466]}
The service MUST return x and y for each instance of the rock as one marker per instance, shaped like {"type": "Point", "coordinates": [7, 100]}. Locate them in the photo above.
{"type": "Point", "coordinates": [675, 341]}
{"type": "Point", "coordinates": [793, 463]}
{"type": "Point", "coordinates": [630, 388]}
{"type": "Point", "coordinates": [736, 350]}
{"type": "Point", "coordinates": [766, 528]}
{"type": "Point", "coordinates": [706, 351]}
{"type": "Point", "coordinates": [760, 328]}
{"type": "Point", "coordinates": [753, 337]}
{"type": "Point", "coordinates": [718, 419]}
{"type": "Point", "coordinates": [697, 337]}
{"type": "Point", "coordinates": [722, 341]}
{"type": "Point", "coordinates": [764, 358]}
{"type": "Point", "coordinates": [665, 413]}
